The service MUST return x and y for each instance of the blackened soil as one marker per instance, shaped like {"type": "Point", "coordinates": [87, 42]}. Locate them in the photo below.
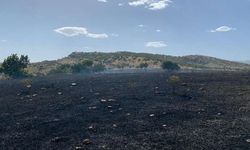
{"type": "Point", "coordinates": [126, 111]}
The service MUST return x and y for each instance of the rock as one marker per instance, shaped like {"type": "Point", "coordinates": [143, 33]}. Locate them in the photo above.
{"type": "Point", "coordinates": [111, 100]}
{"type": "Point", "coordinates": [218, 114]}
{"type": "Point", "coordinates": [28, 86]}
{"type": "Point", "coordinates": [79, 148]}
{"type": "Point", "coordinates": [73, 84]}
{"type": "Point", "coordinates": [93, 107]}
{"type": "Point", "coordinates": [103, 100]}
{"type": "Point", "coordinates": [28, 96]}
{"type": "Point", "coordinates": [164, 125]}
{"type": "Point", "coordinates": [152, 115]}
{"type": "Point", "coordinates": [57, 139]}
{"type": "Point", "coordinates": [109, 107]}
{"type": "Point", "coordinates": [56, 120]}
{"type": "Point", "coordinates": [34, 95]}
{"type": "Point", "coordinates": [184, 84]}
{"type": "Point", "coordinates": [82, 97]}
{"type": "Point", "coordinates": [114, 125]}
{"type": "Point", "coordinates": [240, 94]}
{"type": "Point", "coordinates": [86, 141]}
{"type": "Point", "coordinates": [248, 140]}
{"type": "Point", "coordinates": [202, 89]}
{"type": "Point", "coordinates": [92, 128]}
{"type": "Point", "coordinates": [159, 93]}
{"type": "Point", "coordinates": [59, 93]}
{"type": "Point", "coordinates": [128, 114]}
{"type": "Point", "coordinates": [97, 94]}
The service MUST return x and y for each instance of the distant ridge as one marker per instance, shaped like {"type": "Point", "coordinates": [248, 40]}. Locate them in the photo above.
{"type": "Point", "coordinates": [245, 62]}
{"type": "Point", "coordinates": [132, 60]}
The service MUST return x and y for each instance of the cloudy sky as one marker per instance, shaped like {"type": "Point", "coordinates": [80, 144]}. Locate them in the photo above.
{"type": "Point", "coordinates": [51, 29]}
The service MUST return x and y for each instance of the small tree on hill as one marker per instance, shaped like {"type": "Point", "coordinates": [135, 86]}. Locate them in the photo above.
{"type": "Point", "coordinates": [14, 66]}
{"type": "Point", "coordinates": [171, 66]}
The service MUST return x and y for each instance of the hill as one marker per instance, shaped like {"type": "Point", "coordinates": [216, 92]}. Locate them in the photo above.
{"type": "Point", "coordinates": [133, 60]}
{"type": "Point", "coordinates": [245, 62]}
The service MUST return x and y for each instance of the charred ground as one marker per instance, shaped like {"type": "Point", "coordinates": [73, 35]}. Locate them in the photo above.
{"type": "Point", "coordinates": [126, 111]}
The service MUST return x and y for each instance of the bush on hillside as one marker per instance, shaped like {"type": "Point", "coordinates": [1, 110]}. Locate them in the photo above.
{"type": "Point", "coordinates": [84, 66]}
{"type": "Point", "coordinates": [143, 65]}
{"type": "Point", "coordinates": [14, 66]}
{"type": "Point", "coordinates": [171, 66]}
{"type": "Point", "coordinates": [64, 68]}
{"type": "Point", "coordinates": [98, 68]}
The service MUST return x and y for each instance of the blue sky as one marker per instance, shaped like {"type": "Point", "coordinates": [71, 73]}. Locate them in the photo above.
{"type": "Point", "coordinates": [51, 29]}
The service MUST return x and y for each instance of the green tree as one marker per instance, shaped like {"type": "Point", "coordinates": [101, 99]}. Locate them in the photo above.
{"type": "Point", "coordinates": [171, 66]}
{"type": "Point", "coordinates": [14, 66]}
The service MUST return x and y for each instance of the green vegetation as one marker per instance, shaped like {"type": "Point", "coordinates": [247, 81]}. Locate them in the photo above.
{"type": "Point", "coordinates": [124, 60]}
{"type": "Point", "coordinates": [98, 68]}
{"type": "Point", "coordinates": [168, 65]}
{"type": "Point", "coordinates": [14, 66]}
{"type": "Point", "coordinates": [64, 68]}
{"type": "Point", "coordinates": [85, 66]}
{"type": "Point", "coordinates": [143, 65]}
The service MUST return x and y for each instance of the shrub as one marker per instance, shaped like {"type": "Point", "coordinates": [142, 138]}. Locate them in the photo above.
{"type": "Point", "coordinates": [84, 66]}
{"type": "Point", "coordinates": [98, 68]}
{"type": "Point", "coordinates": [171, 66]}
{"type": "Point", "coordinates": [14, 66]}
{"type": "Point", "coordinates": [64, 68]}
{"type": "Point", "coordinates": [143, 65]}
{"type": "Point", "coordinates": [174, 80]}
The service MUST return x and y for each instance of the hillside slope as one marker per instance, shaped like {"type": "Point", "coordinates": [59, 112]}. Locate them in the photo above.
{"type": "Point", "coordinates": [133, 60]}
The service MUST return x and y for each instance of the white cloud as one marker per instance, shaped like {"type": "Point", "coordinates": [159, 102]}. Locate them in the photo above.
{"type": "Point", "coordinates": [151, 4]}
{"type": "Point", "coordinates": [4, 41]}
{"type": "Point", "coordinates": [158, 30]}
{"type": "Point", "coordinates": [223, 29]}
{"type": "Point", "coordinates": [120, 4]}
{"type": "Point", "coordinates": [141, 25]}
{"type": "Point", "coordinates": [104, 1]}
{"type": "Point", "coordinates": [97, 36]}
{"type": "Point", "coordinates": [138, 2]}
{"type": "Point", "coordinates": [156, 44]}
{"type": "Point", "coordinates": [72, 31]}
{"type": "Point", "coordinates": [114, 34]}
{"type": "Point", "coordinates": [77, 31]}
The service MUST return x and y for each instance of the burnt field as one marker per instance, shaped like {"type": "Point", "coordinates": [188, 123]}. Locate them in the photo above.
{"type": "Point", "coordinates": [126, 111]}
